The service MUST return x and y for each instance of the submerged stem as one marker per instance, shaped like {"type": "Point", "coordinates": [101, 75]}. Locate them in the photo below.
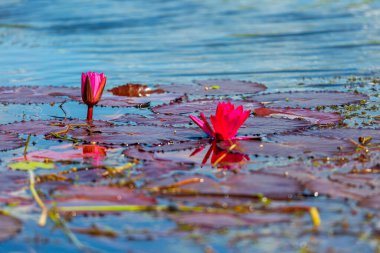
{"type": "Point", "coordinates": [44, 213]}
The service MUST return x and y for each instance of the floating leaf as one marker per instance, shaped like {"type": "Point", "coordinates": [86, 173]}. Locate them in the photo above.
{"type": "Point", "coordinates": [152, 170]}
{"type": "Point", "coordinates": [347, 133]}
{"type": "Point", "coordinates": [134, 90]}
{"type": "Point", "coordinates": [265, 126]}
{"type": "Point", "coordinates": [129, 135]}
{"type": "Point", "coordinates": [10, 226]}
{"type": "Point", "coordinates": [100, 195]}
{"type": "Point", "coordinates": [270, 186]}
{"type": "Point", "coordinates": [217, 221]}
{"type": "Point", "coordinates": [207, 106]}
{"type": "Point", "coordinates": [114, 97]}
{"type": "Point", "coordinates": [43, 127]}
{"type": "Point", "coordinates": [31, 165]}
{"type": "Point", "coordinates": [238, 186]}
{"type": "Point", "coordinates": [336, 190]}
{"type": "Point", "coordinates": [155, 119]}
{"type": "Point", "coordinates": [215, 87]}
{"type": "Point", "coordinates": [371, 202]}
{"type": "Point", "coordinates": [292, 146]}
{"type": "Point", "coordinates": [314, 117]}
{"type": "Point", "coordinates": [10, 141]}
{"type": "Point", "coordinates": [308, 99]}
{"type": "Point", "coordinates": [11, 181]}
{"type": "Point", "coordinates": [371, 181]}
{"type": "Point", "coordinates": [36, 94]}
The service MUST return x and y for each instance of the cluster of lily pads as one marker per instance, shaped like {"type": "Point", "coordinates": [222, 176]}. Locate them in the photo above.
{"type": "Point", "coordinates": [290, 150]}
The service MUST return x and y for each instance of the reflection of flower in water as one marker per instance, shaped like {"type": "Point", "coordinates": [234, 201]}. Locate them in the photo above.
{"type": "Point", "coordinates": [95, 152]}
{"type": "Point", "coordinates": [223, 158]}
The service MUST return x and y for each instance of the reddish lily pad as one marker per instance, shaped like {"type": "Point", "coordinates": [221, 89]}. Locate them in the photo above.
{"type": "Point", "coordinates": [240, 186]}
{"type": "Point", "coordinates": [215, 87]}
{"type": "Point", "coordinates": [314, 145]}
{"type": "Point", "coordinates": [96, 195]}
{"type": "Point", "coordinates": [10, 141]}
{"type": "Point", "coordinates": [68, 153]}
{"type": "Point", "coordinates": [271, 186]}
{"type": "Point", "coordinates": [308, 99]}
{"type": "Point", "coordinates": [265, 126]}
{"type": "Point", "coordinates": [129, 135]}
{"type": "Point", "coordinates": [371, 181]}
{"type": "Point", "coordinates": [111, 100]}
{"type": "Point", "coordinates": [10, 226]}
{"type": "Point", "coordinates": [337, 190]}
{"type": "Point", "coordinates": [134, 90]}
{"type": "Point", "coordinates": [314, 117]}
{"type": "Point", "coordinates": [155, 119]}
{"type": "Point", "coordinates": [298, 171]}
{"type": "Point", "coordinates": [43, 127]}
{"type": "Point", "coordinates": [207, 106]}
{"type": "Point", "coordinates": [11, 181]}
{"type": "Point", "coordinates": [36, 94]}
{"type": "Point", "coordinates": [291, 146]}
{"type": "Point", "coordinates": [217, 221]}
{"type": "Point", "coordinates": [371, 202]}
{"type": "Point", "coordinates": [158, 169]}
{"type": "Point", "coordinates": [347, 133]}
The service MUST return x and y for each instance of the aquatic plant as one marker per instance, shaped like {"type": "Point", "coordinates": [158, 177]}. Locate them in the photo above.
{"type": "Point", "coordinates": [226, 121]}
{"type": "Point", "coordinates": [92, 89]}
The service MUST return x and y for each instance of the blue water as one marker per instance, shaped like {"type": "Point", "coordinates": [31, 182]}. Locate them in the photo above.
{"type": "Point", "coordinates": [276, 42]}
{"type": "Point", "coordinates": [281, 43]}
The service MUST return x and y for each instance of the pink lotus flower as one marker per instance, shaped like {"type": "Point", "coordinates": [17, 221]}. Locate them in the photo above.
{"type": "Point", "coordinates": [226, 121]}
{"type": "Point", "coordinates": [92, 89]}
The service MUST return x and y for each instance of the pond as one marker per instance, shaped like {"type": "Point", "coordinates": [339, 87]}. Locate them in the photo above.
{"type": "Point", "coordinates": [302, 175]}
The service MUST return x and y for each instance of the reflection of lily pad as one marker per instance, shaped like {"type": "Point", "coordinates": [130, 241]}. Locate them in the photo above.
{"type": "Point", "coordinates": [308, 99]}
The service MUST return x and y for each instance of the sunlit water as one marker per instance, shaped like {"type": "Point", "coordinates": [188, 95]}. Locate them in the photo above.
{"type": "Point", "coordinates": [279, 43]}
{"type": "Point", "coordinates": [275, 42]}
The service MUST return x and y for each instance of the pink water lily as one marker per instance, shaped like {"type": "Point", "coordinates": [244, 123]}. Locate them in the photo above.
{"type": "Point", "coordinates": [92, 89]}
{"type": "Point", "coordinates": [226, 121]}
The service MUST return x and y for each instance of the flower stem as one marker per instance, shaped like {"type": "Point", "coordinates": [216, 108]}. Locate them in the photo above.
{"type": "Point", "coordinates": [26, 147]}
{"type": "Point", "coordinates": [90, 112]}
